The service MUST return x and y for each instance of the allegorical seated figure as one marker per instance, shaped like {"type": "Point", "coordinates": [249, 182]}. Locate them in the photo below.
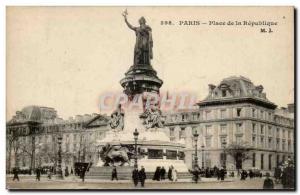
{"type": "Point", "coordinates": [117, 119]}
{"type": "Point", "coordinates": [144, 43]}
{"type": "Point", "coordinates": [153, 117]}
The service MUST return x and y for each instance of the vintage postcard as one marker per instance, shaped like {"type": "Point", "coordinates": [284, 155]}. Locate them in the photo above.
{"type": "Point", "coordinates": [146, 98]}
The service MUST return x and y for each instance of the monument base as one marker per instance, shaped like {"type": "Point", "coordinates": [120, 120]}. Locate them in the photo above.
{"type": "Point", "coordinates": [125, 173]}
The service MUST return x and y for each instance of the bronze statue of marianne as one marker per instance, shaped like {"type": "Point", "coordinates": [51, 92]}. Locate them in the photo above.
{"type": "Point", "coordinates": [143, 46]}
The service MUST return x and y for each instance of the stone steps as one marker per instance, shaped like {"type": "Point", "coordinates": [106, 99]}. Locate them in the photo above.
{"type": "Point", "coordinates": [124, 173]}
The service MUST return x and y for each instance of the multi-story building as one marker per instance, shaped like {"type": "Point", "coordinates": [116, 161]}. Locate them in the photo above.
{"type": "Point", "coordinates": [236, 112]}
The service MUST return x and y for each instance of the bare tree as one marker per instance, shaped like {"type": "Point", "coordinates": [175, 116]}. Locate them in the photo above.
{"type": "Point", "coordinates": [239, 152]}
{"type": "Point", "coordinates": [12, 138]}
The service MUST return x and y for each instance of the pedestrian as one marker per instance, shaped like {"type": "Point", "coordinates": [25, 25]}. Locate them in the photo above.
{"type": "Point", "coordinates": [38, 174]}
{"type": "Point", "coordinates": [156, 176]}
{"type": "Point", "coordinates": [196, 172]}
{"type": "Point", "coordinates": [277, 174]}
{"type": "Point", "coordinates": [174, 174]}
{"type": "Point", "coordinates": [49, 174]}
{"type": "Point", "coordinates": [162, 173]}
{"type": "Point", "coordinates": [135, 176]}
{"type": "Point", "coordinates": [114, 174]}
{"type": "Point", "coordinates": [16, 173]}
{"type": "Point", "coordinates": [251, 174]}
{"type": "Point", "coordinates": [170, 173]}
{"type": "Point", "coordinates": [222, 173]}
{"type": "Point", "coordinates": [72, 171]}
{"type": "Point", "coordinates": [268, 183]}
{"type": "Point", "coordinates": [66, 171]}
{"type": "Point", "coordinates": [244, 175]}
{"type": "Point", "coordinates": [82, 173]}
{"type": "Point", "coordinates": [142, 176]}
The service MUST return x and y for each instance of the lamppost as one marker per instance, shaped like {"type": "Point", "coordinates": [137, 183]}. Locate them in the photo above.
{"type": "Point", "coordinates": [196, 148]}
{"type": "Point", "coordinates": [224, 153]}
{"type": "Point", "coordinates": [135, 135]}
{"type": "Point", "coordinates": [39, 148]}
{"type": "Point", "coordinates": [202, 156]}
{"type": "Point", "coordinates": [59, 169]}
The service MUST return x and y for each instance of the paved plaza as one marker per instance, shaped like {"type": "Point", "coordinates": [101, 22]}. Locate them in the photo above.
{"type": "Point", "coordinates": [75, 183]}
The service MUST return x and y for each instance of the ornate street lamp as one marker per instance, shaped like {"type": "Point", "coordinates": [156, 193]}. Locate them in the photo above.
{"type": "Point", "coordinates": [196, 148]}
{"type": "Point", "coordinates": [135, 135]}
{"type": "Point", "coordinates": [224, 153]}
{"type": "Point", "coordinates": [59, 169]}
{"type": "Point", "coordinates": [202, 156]}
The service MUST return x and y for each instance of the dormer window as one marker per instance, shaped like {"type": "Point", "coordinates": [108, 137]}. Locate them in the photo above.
{"type": "Point", "coordinates": [223, 93]}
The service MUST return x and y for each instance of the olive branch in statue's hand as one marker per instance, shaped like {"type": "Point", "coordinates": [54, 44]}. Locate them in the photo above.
{"type": "Point", "coordinates": [124, 14]}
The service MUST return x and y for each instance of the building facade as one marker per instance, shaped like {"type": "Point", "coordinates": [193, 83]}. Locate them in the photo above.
{"type": "Point", "coordinates": [235, 112]}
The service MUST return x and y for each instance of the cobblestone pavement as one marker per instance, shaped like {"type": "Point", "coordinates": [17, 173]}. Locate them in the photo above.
{"type": "Point", "coordinates": [98, 184]}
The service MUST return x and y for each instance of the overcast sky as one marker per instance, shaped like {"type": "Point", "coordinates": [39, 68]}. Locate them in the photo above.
{"type": "Point", "coordinates": [65, 57]}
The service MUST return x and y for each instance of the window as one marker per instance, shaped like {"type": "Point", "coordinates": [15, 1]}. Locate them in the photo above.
{"type": "Point", "coordinates": [208, 129]}
{"type": "Point", "coordinates": [253, 140]}
{"type": "Point", "coordinates": [289, 146]}
{"type": "Point", "coordinates": [223, 141]}
{"type": "Point", "coordinates": [223, 159]}
{"type": "Point", "coordinates": [253, 128]}
{"type": "Point", "coordinates": [238, 112]}
{"type": "Point", "coordinates": [239, 127]}
{"type": "Point", "coordinates": [239, 139]}
{"type": "Point", "coordinates": [172, 132]}
{"type": "Point", "coordinates": [270, 131]}
{"type": "Point", "coordinates": [277, 160]}
{"type": "Point", "coordinates": [262, 140]}
{"type": "Point", "coordinates": [208, 115]}
{"type": "Point", "coordinates": [277, 132]}
{"type": "Point", "coordinates": [208, 142]}
{"type": "Point", "coordinates": [253, 160]}
{"type": "Point", "coordinates": [253, 112]}
{"type": "Point", "coordinates": [262, 128]}
{"type": "Point", "coordinates": [289, 134]}
{"type": "Point", "coordinates": [277, 143]}
{"type": "Point", "coordinates": [182, 133]}
{"type": "Point", "coordinates": [283, 145]}
{"type": "Point", "coordinates": [270, 143]}
{"type": "Point", "coordinates": [270, 116]}
{"type": "Point", "coordinates": [283, 133]}
{"type": "Point", "coordinates": [223, 114]}
{"type": "Point", "coordinates": [67, 147]}
{"type": "Point", "coordinates": [207, 160]}
{"type": "Point", "coordinates": [262, 114]}
{"type": "Point", "coordinates": [270, 161]}
{"type": "Point", "coordinates": [262, 161]}
{"type": "Point", "coordinates": [223, 129]}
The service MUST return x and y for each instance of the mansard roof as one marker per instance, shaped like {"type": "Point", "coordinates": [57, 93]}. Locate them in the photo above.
{"type": "Point", "coordinates": [34, 113]}
{"type": "Point", "coordinates": [235, 90]}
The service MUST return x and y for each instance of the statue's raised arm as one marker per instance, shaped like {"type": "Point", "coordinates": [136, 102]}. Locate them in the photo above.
{"type": "Point", "coordinates": [126, 21]}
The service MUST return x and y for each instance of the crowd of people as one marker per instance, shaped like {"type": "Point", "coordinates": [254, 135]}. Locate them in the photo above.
{"type": "Point", "coordinates": [139, 176]}
{"type": "Point", "coordinates": [160, 174]}
{"type": "Point", "coordinates": [283, 174]}
{"type": "Point", "coordinates": [219, 173]}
